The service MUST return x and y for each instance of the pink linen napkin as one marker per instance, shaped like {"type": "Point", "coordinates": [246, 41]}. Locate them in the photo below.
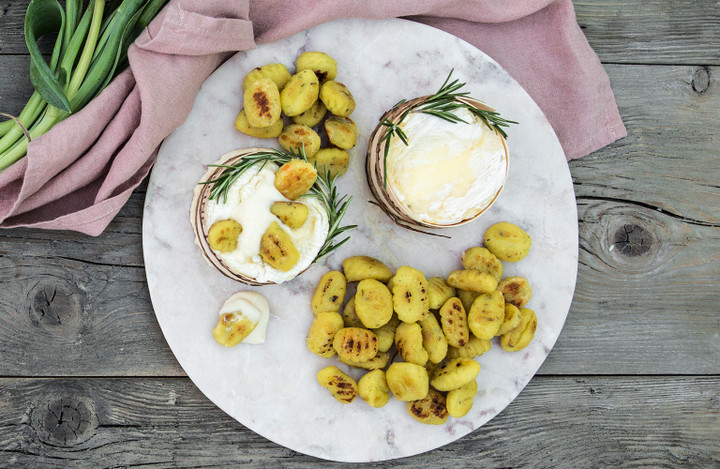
{"type": "Point", "coordinates": [79, 175]}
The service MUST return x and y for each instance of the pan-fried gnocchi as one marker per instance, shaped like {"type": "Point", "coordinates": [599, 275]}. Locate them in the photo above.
{"type": "Point", "coordinates": [377, 362]}
{"type": "Point", "coordinates": [439, 292]}
{"type": "Point", "coordinates": [409, 342]}
{"type": "Point", "coordinates": [472, 280]}
{"type": "Point", "coordinates": [407, 381]}
{"type": "Point", "coordinates": [313, 116]}
{"type": "Point", "coordinates": [341, 131]}
{"type": "Point", "coordinates": [430, 410]}
{"type": "Point", "coordinates": [355, 344]}
{"type": "Point", "coordinates": [292, 214]}
{"type": "Point", "coordinates": [373, 388]}
{"type": "Point", "coordinates": [261, 102]}
{"type": "Point", "coordinates": [373, 303]}
{"type": "Point", "coordinates": [516, 290]}
{"type": "Point", "coordinates": [507, 241]}
{"type": "Point", "coordinates": [297, 137]}
{"type": "Point", "coordinates": [474, 348]}
{"type": "Point", "coordinates": [350, 317]}
{"type": "Point", "coordinates": [455, 373]}
{"type": "Point", "coordinates": [322, 332]}
{"type": "Point", "coordinates": [520, 337]}
{"type": "Point", "coordinates": [512, 319]}
{"type": "Point", "coordinates": [337, 98]}
{"type": "Point", "coordinates": [341, 386]}
{"type": "Point", "coordinates": [361, 267]}
{"type": "Point", "coordinates": [278, 73]}
{"type": "Point", "coordinates": [486, 315]}
{"type": "Point", "coordinates": [329, 293]}
{"type": "Point", "coordinates": [386, 334]}
{"type": "Point", "coordinates": [300, 92]}
{"type": "Point", "coordinates": [243, 125]}
{"type": "Point", "coordinates": [409, 291]}
{"type": "Point", "coordinates": [479, 258]}
{"type": "Point", "coordinates": [433, 338]}
{"type": "Point", "coordinates": [453, 320]}
{"type": "Point", "coordinates": [460, 401]}
{"type": "Point", "coordinates": [324, 66]}
{"type": "Point", "coordinates": [295, 178]}
{"type": "Point", "coordinates": [333, 160]}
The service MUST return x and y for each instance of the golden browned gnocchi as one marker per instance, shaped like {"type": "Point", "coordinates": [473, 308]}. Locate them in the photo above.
{"type": "Point", "coordinates": [243, 125]}
{"type": "Point", "coordinates": [333, 160]}
{"type": "Point", "coordinates": [486, 315]}
{"type": "Point", "coordinates": [512, 319]}
{"type": "Point", "coordinates": [430, 410]}
{"type": "Point", "coordinates": [319, 339]}
{"type": "Point", "coordinates": [386, 334]}
{"type": "Point", "coordinates": [350, 317]}
{"type": "Point", "coordinates": [341, 131]}
{"type": "Point", "coordinates": [355, 344]}
{"type": "Point", "coordinates": [507, 241]}
{"type": "Point", "coordinates": [300, 92]}
{"type": "Point", "coordinates": [373, 303]}
{"type": "Point", "coordinates": [409, 291]}
{"type": "Point", "coordinates": [329, 293]}
{"type": "Point", "coordinates": [223, 235]}
{"type": "Point", "coordinates": [377, 362]}
{"type": "Point", "coordinates": [472, 280]}
{"type": "Point", "coordinates": [467, 297]}
{"type": "Point", "coordinates": [460, 400]}
{"type": "Point", "coordinates": [341, 386]}
{"type": "Point", "coordinates": [232, 329]}
{"type": "Point", "coordinates": [455, 373]}
{"type": "Point", "coordinates": [295, 178]}
{"type": "Point", "coordinates": [474, 348]}
{"type": "Point", "coordinates": [373, 388]}
{"type": "Point", "coordinates": [453, 320]}
{"type": "Point", "coordinates": [479, 258]}
{"type": "Point", "coordinates": [312, 116]}
{"type": "Point", "coordinates": [516, 290]}
{"type": "Point", "coordinates": [324, 66]}
{"type": "Point", "coordinates": [520, 337]}
{"type": "Point", "coordinates": [434, 340]}
{"type": "Point", "coordinates": [278, 73]}
{"type": "Point", "coordinates": [292, 214]}
{"type": "Point", "coordinates": [337, 98]}
{"type": "Point", "coordinates": [407, 381]}
{"type": "Point", "coordinates": [261, 102]}
{"type": "Point", "coordinates": [361, 267]}
{"type": "Point", "coordinates": [439, 292]}
{"type": "Point", "coordinates": [278, 249]}
{"type": "Point", "coordinates": [297, 137]}
{"type": "Point", "coordinates": [409, 342]}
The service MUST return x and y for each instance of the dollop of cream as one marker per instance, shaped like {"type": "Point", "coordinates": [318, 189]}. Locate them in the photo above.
{"type": "Point", "coordinates": [249, 200]}
{"type": "Point", "coordinates": [252, 306]}
{"type": "Point", "coordinates": [448, 172]}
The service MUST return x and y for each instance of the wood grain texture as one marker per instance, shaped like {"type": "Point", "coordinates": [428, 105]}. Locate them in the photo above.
{"type": "Point", "coordinates": [651, 422]}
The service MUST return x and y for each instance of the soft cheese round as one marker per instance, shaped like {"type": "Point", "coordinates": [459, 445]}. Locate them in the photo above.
{"type": "Point", "coordinates": [448, 172]}
{"type": "Point", "coordinates": [253, 306]}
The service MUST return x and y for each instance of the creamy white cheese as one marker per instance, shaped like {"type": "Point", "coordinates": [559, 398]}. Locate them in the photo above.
{"type": "Point", "coordinates": [252, 306]}
{"type": "Point", "coordinates": [448, 172]}
{"type": "Point", "coordinates": [249, 200]}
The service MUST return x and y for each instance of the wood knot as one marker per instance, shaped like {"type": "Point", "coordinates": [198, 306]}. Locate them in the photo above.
{"type": "Point", "coordinates": [66, 421]}
{"type": "Point", "coordinates": [54, 305]}
{"type": "Point", "coordinates": [632, 240]}
{"type": "Point", "coordinates": [701, 80]}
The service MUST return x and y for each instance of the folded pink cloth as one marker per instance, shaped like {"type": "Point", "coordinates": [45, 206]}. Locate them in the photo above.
{"type": "Point", "coordinates": [79, 175]}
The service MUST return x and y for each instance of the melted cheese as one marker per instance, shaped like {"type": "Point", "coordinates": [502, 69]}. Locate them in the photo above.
{"type": "Point", "coordinates": [252, 306]}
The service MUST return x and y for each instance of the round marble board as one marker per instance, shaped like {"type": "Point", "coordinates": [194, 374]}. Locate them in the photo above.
{"type": "Point", "coordinates": [272, 388]}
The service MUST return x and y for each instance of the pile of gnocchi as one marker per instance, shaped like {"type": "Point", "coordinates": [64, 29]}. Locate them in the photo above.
{"type": "Point", "coordinates": [306, 98]}
{"type": "Point", "coordinates": [437, 327]}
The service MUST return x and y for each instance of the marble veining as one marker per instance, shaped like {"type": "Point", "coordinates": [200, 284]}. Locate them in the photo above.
{"type": "Point", "coordinates": [271, 388]}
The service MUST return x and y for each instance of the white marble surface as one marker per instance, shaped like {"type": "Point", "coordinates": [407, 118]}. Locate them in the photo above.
{"type": "Point", "coordinates": [271, 388]}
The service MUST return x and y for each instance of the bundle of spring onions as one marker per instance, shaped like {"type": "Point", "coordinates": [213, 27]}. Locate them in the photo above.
{"type": "Point", "coordinates": [90, 49]}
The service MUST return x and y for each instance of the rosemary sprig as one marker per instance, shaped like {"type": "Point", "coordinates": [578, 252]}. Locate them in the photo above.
{"type": "Point", "coordinates": [442, 104]}
{"type": "Point", "coordinates": [324, 189]}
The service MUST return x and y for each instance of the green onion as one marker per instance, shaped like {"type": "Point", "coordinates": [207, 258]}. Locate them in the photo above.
{"type": "Point", "coordinates": [90, 49]}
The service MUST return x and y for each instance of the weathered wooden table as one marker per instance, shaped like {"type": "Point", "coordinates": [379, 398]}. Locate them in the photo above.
{"type": "Point", "coordinates": [87, 380]}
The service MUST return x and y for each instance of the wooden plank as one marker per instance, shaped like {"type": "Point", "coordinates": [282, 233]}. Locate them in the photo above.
{"type": "Point", "coordinates": [649, 32]}
{"type": "Point", "coordinates": [565, 421]}
{"type": "Point", "coordinates": [15, 86]}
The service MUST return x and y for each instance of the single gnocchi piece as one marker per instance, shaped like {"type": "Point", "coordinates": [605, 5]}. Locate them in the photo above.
{"type": "Point", "coordinates": [507, 241]}
{"type": "Point", "coordinates": [278, 73]}
{"type": "Point", "coordinates": [330, 293]}
{"type": "Point", "coordinates": [434, 340]}
{"type": "Point", "coordinates": [341, 386]}
{"type": "Point", "coordinates": [358, 268]}
{"type": "Point", "coordinates": [313, 116]}
{"type": "Point", "coordinates": [472, 280]}
{"type": "Point", "coordinates": [341, 131]}
{"type": "Point", "coordinates": [460, 400]}
{"type": "Point", "coordinates": [486, 315]}
{"type": "Point", "coordinates": [455, 373]}
{"type": "Point", "coordinates": [332, 160]}
{"type": "Point", "coordinates": [439, 292]}
{"type": "Point", "coordinates": [467, 297]}
{"type": "Point", "coordinates": [319, 339]}
{"type": "Point", "coordinates": [350, 317]}
{"type": "Point", "coordinates": [520, 337]}
{"type": "Point", "coordinates": [232, 329]}
{"type": "Point", "coordinates": [278, 249]}
{"type": "Point", "coordinates": [373, 303]}
{"type": "Point", "coordinates": [377, 362]}
{"type": "Point", "coordinates": [516, 290]}
{"type": "Point", "coordinates": [430, 410]}
{"type": "Point", "coordinates": [223, 235]}
{"type": "Point", "coordinates": [355, 344]}
{"type": "Point", "coordinates": [474, 348]}
{"type": "Point", "coordinates": [373, 388]}
{"type": "Point", "coordinates": [479, 258]}
{"type": "Point", "coordinates": [295, 178]}
{"type": "Point", "coordinates": [407, 381]}
{"type": "Point", "coordinates": [297, 137]}
{"type": "Point", "coordinates": [410, 298]}
{"type": "Point", "coordinates": [261, 102]}
{"type": "Point", "coordinates": [243, 125]}
{"type": "Point", "coordinates": [386, 334]}
{"type": "Point", "coordinates": [512, 319]}
{"type": "Point", "coordinates": [292, 214]}
{"type": "Point", "coordinates": [300, 92]}
{"type": "Point", "coordinates": [453, 320]}
{"type": "Point", "coordinates": [409, 342]}
{"type": "Point", "coordinates": [324, 66]}
{"type": "Point", "coordinates": [337, 98]}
